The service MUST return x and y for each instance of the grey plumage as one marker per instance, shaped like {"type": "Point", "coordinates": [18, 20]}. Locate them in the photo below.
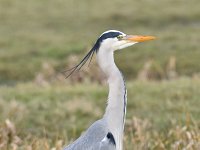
{"type": "Point", "coordinates": [95, 138]}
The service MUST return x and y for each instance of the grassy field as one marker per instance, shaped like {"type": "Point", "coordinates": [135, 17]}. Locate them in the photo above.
{"type": "Point", "coordinates": [40, 110]}
{"type": "Point", "coordinates": [160, 115]}
{"type": "Point", "coordinates": [35, 31]}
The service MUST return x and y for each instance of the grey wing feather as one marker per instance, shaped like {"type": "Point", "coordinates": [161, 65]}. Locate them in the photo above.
{"type": "Point", "coordinates": [106, 144]}
{"type": "Point", "coordinates": [93, 138]}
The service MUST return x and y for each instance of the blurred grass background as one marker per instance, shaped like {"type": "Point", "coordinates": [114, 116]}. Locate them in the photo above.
{"type": "Point", "coordinates": [40, 38]}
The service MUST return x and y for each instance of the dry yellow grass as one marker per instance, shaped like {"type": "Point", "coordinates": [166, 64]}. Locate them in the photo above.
{"type": "Point", "coordinates": [161, 115]}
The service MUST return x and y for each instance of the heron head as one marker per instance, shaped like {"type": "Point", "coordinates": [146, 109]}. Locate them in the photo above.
{"type": "Point", "coordinates": [110, 40]}
{"type": "Point", "coordinates": [116, 40]}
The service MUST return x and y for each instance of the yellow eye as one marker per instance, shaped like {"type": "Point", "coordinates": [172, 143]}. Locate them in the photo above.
{"type": "Point", "coordinates": [119, 37]}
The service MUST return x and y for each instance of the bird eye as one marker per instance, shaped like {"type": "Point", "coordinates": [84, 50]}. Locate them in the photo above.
{"type": "Point", "coordinates": [119, 37]}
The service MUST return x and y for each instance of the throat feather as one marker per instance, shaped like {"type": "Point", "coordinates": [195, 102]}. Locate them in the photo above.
{"type": "Point", "coordinates": [116, 107]}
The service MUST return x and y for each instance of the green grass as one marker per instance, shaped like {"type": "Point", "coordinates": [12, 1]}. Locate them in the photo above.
{"type": "Point", "coordinates": [35, 31]}
{"type": "Point", "coordinates": [157, 112]}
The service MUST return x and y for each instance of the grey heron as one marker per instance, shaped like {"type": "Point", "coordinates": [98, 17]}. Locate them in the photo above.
{"type": "Point", "coordinates": [107, 133]}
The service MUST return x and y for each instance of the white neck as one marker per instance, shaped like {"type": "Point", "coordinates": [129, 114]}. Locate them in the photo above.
{"type": "Point", "coordinates": [116, 108]}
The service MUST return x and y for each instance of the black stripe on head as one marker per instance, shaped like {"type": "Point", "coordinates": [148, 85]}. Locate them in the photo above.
{"type": "Point", "coordinates": [106, 35]}
{"type": "Point", "coordinates": [111, 138]}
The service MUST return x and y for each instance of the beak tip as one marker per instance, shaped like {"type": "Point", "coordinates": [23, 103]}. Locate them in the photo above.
{"type": "Point", "coordinates": [153, 37]}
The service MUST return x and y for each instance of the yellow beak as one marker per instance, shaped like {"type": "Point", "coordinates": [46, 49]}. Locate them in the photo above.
{"type": "Point", "coordinates": [139, 38]}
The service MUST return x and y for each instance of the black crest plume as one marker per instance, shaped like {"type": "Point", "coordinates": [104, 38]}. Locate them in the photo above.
{"type": "Point", "coordinates": [90, 54]}
{"type": "Point", "coordinates": [77, 67]}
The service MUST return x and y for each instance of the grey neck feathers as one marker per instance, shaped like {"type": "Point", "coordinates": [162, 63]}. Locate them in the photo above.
{"type": "Point", "coordinates": [116, 108]}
